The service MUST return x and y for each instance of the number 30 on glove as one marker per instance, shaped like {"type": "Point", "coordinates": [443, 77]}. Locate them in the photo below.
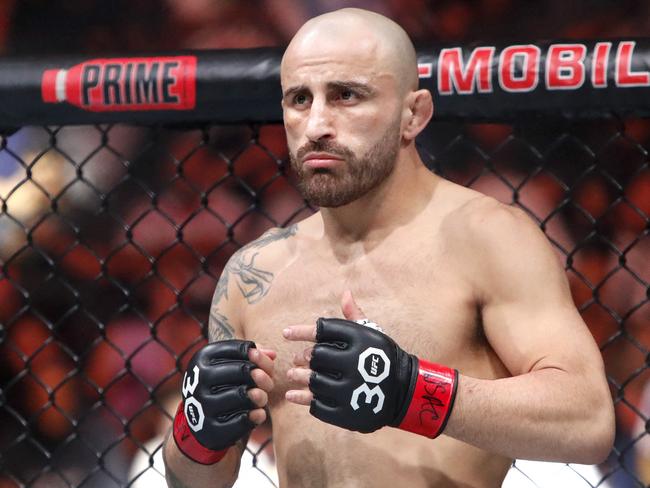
{"type": "Point", "coordinates": [214, 412]}
{"type": "Point", "coordinates": [362, 380]}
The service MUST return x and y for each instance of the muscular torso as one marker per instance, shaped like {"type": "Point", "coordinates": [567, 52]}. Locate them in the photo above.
{"type": "Point", "coordinates": [416, 284]}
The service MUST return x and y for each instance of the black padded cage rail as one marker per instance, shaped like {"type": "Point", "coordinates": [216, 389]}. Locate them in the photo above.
{"type": "Point", "coordinates": [482, 82]}
{"type": "Point", "coordinates": [126, 182]}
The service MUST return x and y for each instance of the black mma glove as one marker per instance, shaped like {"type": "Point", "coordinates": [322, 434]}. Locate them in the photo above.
{"type": "Point", "coordinates": [214, 412]}
{"type": "Point", "coordinates": [362, 380]}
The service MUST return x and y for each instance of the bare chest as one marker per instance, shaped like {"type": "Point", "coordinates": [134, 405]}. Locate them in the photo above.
{"type": "Point", "coordinates": [419, 300]}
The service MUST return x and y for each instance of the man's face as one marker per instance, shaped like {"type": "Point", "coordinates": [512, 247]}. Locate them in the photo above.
{"type": "Point", "coordinates": [342, 118]}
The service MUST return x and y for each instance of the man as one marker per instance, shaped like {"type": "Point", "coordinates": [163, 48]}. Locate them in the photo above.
{"type": "Point", "coordinates": [483, 357]}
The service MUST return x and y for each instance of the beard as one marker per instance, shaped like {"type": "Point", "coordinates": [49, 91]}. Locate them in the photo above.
{"type": "Point", "coordinates": [335, 187]}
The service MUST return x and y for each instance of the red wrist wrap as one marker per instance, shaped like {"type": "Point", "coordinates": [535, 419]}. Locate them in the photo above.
{"type": "Point", "coordinates": [188, 444]}
{"type": "Point", "coordinates": [432, 400]}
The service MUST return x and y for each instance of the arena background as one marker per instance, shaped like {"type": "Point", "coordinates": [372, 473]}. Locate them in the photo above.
{"type": "Point", "coordinates": [113, 233]}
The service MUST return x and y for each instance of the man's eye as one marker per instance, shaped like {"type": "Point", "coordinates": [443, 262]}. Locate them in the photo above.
{"type": "Point", "coordinates": [300, 99]}
{"type": "Point", "coordinates": [347, 95]}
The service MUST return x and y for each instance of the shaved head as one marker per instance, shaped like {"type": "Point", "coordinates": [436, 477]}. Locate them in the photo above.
{"type": "Point", "coordinates": [351, 104]}
{"type": "Point", "coordinates": [358, 33]}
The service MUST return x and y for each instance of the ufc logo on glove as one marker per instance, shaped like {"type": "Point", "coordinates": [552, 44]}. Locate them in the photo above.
{"type": "Point", "coordinates": [401, 387]}
{"type": "Point", "coordinates": [374, 367]}
{"type": "Point", "coordinates": [193, 409]}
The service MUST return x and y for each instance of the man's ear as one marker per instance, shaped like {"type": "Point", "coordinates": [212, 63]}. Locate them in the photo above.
{"type": "Point", "coordinates": [418, 113]}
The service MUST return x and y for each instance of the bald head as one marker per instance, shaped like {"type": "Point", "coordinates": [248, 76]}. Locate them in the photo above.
{"type": "Point", "coordinates": [361, 34]}
{"type": "Point", "coordinates": [351, 104]}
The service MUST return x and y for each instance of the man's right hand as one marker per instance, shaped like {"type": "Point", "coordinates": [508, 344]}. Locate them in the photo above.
{"type": "Point", "coordinates": [225, 390]}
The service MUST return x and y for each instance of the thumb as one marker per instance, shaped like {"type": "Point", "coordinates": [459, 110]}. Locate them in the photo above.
{"type": "Point", "coordinates": [269, 352]}
{"type": "Point", "coordinates": [351, 310]}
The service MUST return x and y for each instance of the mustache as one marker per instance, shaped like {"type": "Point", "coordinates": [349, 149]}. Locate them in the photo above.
{"type": "Point", "coordinates": [324, 146]}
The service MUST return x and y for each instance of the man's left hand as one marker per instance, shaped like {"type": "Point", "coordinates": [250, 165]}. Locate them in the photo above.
{"type": "Point", "coordinates": [301, 373]}
{"type": "Point", "coordinates": [358, 378]}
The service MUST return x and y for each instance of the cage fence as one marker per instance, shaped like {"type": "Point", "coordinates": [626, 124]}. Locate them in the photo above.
{"type": "Point", "coordinates": [112, 238]}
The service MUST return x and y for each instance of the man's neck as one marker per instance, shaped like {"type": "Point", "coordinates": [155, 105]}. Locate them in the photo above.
{"type": "Point", "coordinates": [370, 219]}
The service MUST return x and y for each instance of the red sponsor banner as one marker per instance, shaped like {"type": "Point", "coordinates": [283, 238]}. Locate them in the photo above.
{"type": "Point", "coordinates": [454, 75]}
{"type": "Point", "coordinates": [124, 84]}
{"type": "Point", "coordinates": [523, 68]}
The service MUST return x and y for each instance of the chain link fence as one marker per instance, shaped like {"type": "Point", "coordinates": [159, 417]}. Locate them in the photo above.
{"type": "Point", "coordinates": [112, 239]}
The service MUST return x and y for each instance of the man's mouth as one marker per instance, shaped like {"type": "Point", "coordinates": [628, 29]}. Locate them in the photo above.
{"type": "Point", "coordinates": [320, 160]}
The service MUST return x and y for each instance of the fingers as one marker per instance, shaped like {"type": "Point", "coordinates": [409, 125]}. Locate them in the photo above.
{"type": "Point", "coordinates": [262, 379]}
{"type": "Point", "coordinates": [257, 416]}
{"type": "Point", "coordinates": [269, 352]}
{"type": "Point", "coordinates": [262, 359]}
{"type": "Point", "coordinates": [303, 358]}
{"type": "Point", "coordinates": [300, 333]}
{"type": "Point", "coordinates": [299, 397]}
{"type": "Point", "coordinates": [350, 309]}
{"type": "Point", "coordinates": [299, 375]}
{"type": "Point", "coordinates": [258, 396]}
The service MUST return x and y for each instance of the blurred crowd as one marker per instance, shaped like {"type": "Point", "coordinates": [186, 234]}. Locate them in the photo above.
{"type": "Point", "coordinates": [92, 26]}
{"type": "Point", "coordinates": [112, 238]}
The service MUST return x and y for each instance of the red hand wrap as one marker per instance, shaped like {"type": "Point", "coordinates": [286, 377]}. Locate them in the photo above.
{"type": "Point", "coordinates": [188, 444]}
{"type": "Point", "coordinates": [432, 401]}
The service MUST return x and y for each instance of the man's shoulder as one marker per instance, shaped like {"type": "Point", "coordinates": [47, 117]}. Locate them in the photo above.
{"type": "Point", "coordinates": [249, 273]}
{"type": "Point", "coordinates": [276, 245]}
{"type": "Point", "coordinates": [477, 215]}
{"type": "Point", "coordinates": [499, 249]}
{"type": "Point", "coordinates": [271, 239]}
{"type": "Point", "coordinates": [272, 246]}
{"type": "Point", "coordinates": [484, 230]}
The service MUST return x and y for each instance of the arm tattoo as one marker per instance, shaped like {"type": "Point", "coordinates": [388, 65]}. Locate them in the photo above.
{"type": "Point", "coordinates": [219, 328]}
{"type": "Point", "coordinates": [253, 283]}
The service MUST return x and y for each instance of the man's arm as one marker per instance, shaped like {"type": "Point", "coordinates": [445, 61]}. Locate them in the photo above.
{"type": "Point", "coordinates": [181, 471]}
{"type": "Point", "coordinates": [241, 283]}
{"type": "Point", "coordinates": [557, 405]}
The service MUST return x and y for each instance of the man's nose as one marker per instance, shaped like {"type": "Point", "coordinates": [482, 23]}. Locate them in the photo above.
{"type": "Point", "coordinates": [320, 124]}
